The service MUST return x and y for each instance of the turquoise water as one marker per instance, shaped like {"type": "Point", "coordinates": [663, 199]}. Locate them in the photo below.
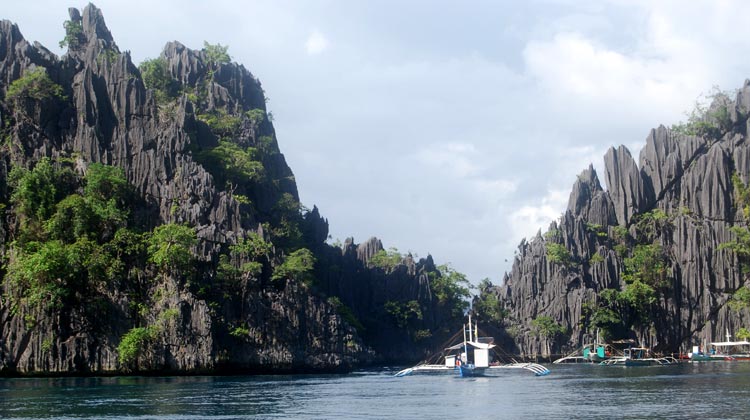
{"type": "Point", "coordinates": [712, 390]}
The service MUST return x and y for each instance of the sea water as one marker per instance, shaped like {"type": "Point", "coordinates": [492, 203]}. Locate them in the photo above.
{"type": "Point", "coordinates": [716, 390]}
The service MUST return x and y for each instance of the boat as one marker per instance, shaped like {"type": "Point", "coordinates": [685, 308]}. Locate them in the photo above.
{"type": "Point", "coordinates": [697, 355]}
{"type": "Point", "coordinates": [638, 356]}
{"type": "Point", "coordinates": [596, 352]}
{"type": "Point", "coordinates": [730, 350]}
{"type": "Point", "coordinates": [470, 357]}
{"type": "Point", "coordinates": [589, 353]}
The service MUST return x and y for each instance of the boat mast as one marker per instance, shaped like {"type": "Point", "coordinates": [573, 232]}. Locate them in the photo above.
{"type": "Point", "coordinates": [466, 349]}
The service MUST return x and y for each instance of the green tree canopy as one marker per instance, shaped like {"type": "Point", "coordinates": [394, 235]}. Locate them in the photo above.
{"type": "Point", "coordinates": [386, 260]}
{"type": "Point", "coordinates": [216, 54]}
{"type": "Point", "coordinates": [298, 266]}
{"type": "Point", "coordinates": [169, 246]}
{"type": "Point", "coordinates": [34, 84]}
{"type": "Point", "coordinates": [546, 326]}
{"type": "Point", "coordinates": [487, 305]}
{"type": "Point", "coordinates": [451, 288]}
{"type": "Point", "coordinates": [34, 191]}
{"type": "Point", "coordinates": [156, 75]}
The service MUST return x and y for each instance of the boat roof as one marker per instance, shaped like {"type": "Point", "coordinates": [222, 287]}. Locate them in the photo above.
{"type": "Point", "coordinates": [731, 343]}
{"type": "Point", "coordinates": [471, 343]}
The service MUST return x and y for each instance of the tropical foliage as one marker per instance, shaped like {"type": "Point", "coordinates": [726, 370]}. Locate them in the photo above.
{"type": "Point", "coordinates": [545, 326]}
{"type": "Point", "coordinates": [34, 84]}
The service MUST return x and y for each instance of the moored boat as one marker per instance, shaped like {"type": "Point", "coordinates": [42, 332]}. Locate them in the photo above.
{"type": "Point", "coordinates": [638, 356]}
{"type": "Point", "coordinates": [470, 357]}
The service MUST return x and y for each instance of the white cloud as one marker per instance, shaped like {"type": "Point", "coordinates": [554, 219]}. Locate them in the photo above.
{"type": "Point", "coordinates": [457, 158]}
{"type": "Point", "coordinates": [316, 43]}
{"type": "Point", "coordinates": [529, 218]}
{"type": "Point", "coordinates": [579, 69]}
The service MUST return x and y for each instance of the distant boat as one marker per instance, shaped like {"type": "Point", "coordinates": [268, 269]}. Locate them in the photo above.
{"type": "Point", "coordinates": [596, 352]}
{"type": "Point", "coordinates": [638, 356]}
{"type": "Point", "coordinates": [730, 350]}
{"type": "Point", "coordinates": [589, 353]}
{"type": "Point", "coordinates": [697, 355]}
{"type": "Point", "coordinates": [470, 357]}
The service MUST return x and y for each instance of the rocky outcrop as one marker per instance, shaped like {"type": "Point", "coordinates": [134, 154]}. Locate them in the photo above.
{"type": "Point", "coordinates": [203, 319]}
{"type": "Point", "coordinates": [626, 188]}
{"type": "Point", "coordinates": [679, 197]}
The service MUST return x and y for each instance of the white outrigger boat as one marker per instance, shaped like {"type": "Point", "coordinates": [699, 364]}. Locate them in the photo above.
{"type": "Point", "coordinates": [471, 357]}
{"type": "Point", "coordinates": [638, 356]}
{"type": "Point", "coordinates": [730, 350]}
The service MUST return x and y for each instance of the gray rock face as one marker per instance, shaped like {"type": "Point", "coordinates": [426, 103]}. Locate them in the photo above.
{"type": "Point", "coordinates": [686, 177]}
{"type": "Point", "coordinates": [110, 117]}
{"type": "Point", "coordinates": [625, 184]}
{"type": "Point", "coordinates": [589, 201]}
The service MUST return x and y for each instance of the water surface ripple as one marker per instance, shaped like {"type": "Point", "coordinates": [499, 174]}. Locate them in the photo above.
{"type": "Point", "coordinates": [707, 391]}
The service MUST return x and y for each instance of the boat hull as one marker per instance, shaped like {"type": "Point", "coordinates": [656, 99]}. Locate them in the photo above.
{"type": "Point", "coordinates": [467, 371]}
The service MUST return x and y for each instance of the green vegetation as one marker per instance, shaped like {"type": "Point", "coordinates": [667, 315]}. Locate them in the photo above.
{"type": "Point", "coordinates": [487, 305]}
{"type": "Point", "coordinates": [223, 124]}
{"type": "Point", "coordinates": [546, 326]}
{"type": "Point", "coordinates": [603, 318]}
{"type": "Point", "coordinates": [69, 237]}
{"type": "Point", "coordinates": [285, 223]}
{"type": "Point", "coordinates": [596, 259]}
{"type": "Point", "coordinates": [650, 225]}
{"type": "Point", "coordinates": [404, 314]}
{"type": "Point", "coordinates": [34, 84]}
{"type": "Point", "coordinates": [34, 191]}
{"type": "Point", "coordinates": [256, 116]}
{"type": "Point", "coordinates": [620, 234]}
{"type": "Point", "coordinates": [169, 246]}
{"type": "Point", "coordinates": [155, 74]}
{"type": "Point", "coordinates": [42, 274]}
{"type": "Point", "coordinates": [647, 265]}
{"type": "Point", "coordinates": [386, 260]}
{"type": "Point", "coordinates": [297, 266]}
{"type": "Point", "coordinates": [558, 254]}
{"type": "Point", "coordinates": [73, 34]}
{"type": "Point", "coordinates": [596, 229]}
{"type": "Point", "coordinates": [134, 343]}
{"type": "Point", "coordinates": [346, 313]}
{"type": "Point", "coordinates": [709, 118]}
{"type": "Point", "coordinates": [740, 299]}
{"type": "Point", "coordinates": [231, 164]}
{"type": "Point", "coordinates": [107, 56]}
{"type": "Point", "coordinates": [742, 194]}
{"type": "Point", "coordinates": [742, 334]}
{"type": "Point", "coordinates": [240, 332]}
{"type": "Point", "coordinates": [552, 235]}
{"type": "Point", "coordinates": [216, 54]}
{"type": "Point", "coordinates": [741, 244]}
{"type": "Point", "coordinates": [451, 288]}
{"type": "Point", "coordinates": [252, 251]}
{"type": "Point", "coordinates": [617, 311]}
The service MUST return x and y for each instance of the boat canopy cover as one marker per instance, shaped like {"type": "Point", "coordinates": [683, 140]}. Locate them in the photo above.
{"type": "Point", "coordinates": [731, 343]}
{"type": "Point", "coordinates": [472, 344]}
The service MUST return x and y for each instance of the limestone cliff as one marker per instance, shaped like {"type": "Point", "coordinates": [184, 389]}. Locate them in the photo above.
{"type": "Point", "coordinates": [198, 151]}
{"type": "Point", "coordinates": [677, 201]}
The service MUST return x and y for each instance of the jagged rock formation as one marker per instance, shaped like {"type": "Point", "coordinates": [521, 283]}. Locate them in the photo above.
{"type": "Point", "coordinates": [256, 323]}
{"type": "Point", "coordinates": [689, 179]}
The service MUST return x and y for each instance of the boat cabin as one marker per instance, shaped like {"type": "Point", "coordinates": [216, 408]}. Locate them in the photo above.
{"type": "Point", "coordinates": [472, 353]}
{"type": "Point", "coordinates": [636, 353]}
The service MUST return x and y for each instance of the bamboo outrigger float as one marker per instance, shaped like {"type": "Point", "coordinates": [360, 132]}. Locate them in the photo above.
{"type": "Point", "coordinates": [471, 357]}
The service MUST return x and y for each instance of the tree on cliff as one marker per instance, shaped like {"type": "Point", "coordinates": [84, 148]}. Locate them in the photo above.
{"type": "Point", "coordinates": [169, 247]}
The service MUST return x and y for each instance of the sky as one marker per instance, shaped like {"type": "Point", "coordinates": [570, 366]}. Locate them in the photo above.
{"type": "Point", "coordinates": [447, 128]}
